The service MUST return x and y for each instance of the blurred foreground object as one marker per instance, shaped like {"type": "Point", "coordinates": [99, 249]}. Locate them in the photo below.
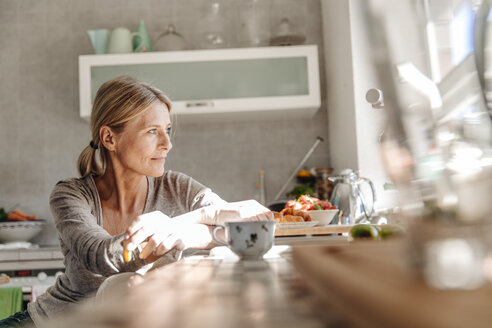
{"type": "Point", "coordinates": [442, 170]}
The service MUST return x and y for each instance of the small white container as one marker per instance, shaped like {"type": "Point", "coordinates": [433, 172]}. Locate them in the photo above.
{"type": "Point", "coordinates": [324, 217]}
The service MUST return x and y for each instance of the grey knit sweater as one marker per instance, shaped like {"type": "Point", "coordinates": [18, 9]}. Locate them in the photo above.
{"type": "Point", "coordinates": [90, 253]}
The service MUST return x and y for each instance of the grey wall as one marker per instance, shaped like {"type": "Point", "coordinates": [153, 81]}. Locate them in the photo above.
{"type": "Point", "coordinates": [41, 134]}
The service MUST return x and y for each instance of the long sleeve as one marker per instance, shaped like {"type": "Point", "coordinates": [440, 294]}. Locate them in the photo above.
{"type": "Point", "coordinates": [72, 207]}
{"type": "Point", "coordinates": [177, 193]}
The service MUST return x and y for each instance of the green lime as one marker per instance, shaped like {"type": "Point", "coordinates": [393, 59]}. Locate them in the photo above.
{"type": "Point", "coordinates": [391, 230]}
{"type": "Point", "coordinates": [364, 231]}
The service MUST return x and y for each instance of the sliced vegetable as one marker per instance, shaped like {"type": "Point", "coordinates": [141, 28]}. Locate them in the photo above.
{"type": "Point", "coordinates": [308, 203]}
{"type": "Point", "coordinates": [4, 213]}
{"type": "Point", "coordinates": [18, 215]}
{"type": "Point", "coordinates": [298, 191]}
{"type": "Point", "coordinates": [290, 204]}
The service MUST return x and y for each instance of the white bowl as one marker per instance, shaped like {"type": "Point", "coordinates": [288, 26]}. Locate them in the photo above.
{"type": "Point", "coordinates": [115, 286]}
{"type": "Point", "coordinates": [11, 231]}
{"type": "Point", "coordinates": [323, 217]}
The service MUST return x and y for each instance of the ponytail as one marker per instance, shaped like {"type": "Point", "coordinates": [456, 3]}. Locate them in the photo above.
{"type": "Point", "coordinates": [87, 163]}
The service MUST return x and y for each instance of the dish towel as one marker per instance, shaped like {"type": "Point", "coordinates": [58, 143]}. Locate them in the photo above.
{"type": "Point", "coordinates": [10, 301]}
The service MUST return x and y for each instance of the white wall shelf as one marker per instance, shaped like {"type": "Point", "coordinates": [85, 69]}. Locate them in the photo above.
{"type": "Point", "coordinates": [221, 84]}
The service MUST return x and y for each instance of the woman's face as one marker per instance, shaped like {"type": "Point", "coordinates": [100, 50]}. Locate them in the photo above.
{"type": "Point", "coordinates": [144, 142]}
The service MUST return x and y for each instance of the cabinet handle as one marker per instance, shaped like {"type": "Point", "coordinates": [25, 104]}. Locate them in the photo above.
{"type": "Point", "coordinates": [200, 104]}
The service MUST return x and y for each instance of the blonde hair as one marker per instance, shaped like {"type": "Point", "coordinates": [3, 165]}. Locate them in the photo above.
{"type": "Point", "coordinates": [117, 102]}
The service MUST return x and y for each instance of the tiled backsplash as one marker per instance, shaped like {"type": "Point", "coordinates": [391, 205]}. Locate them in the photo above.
{"type": "Point", "coordinates": [41, 133]}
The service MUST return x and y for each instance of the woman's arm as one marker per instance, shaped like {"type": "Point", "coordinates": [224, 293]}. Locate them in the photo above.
{"type": "Point", "coordinates": [184, 236]}
{"type": "Point", "coordinates": [78, 230]}
{"type": "Point", "coordinates": [201, 205]}
{"type": "Point", "coordinates": [218, 214]}
{"type": "Point", "coordinates": [190, 230]}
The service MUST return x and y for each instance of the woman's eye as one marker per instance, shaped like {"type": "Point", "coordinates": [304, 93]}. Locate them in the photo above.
{"type": "Point", "coordinates": [168, 131]}
{"type": "Point", "coordinates": [153, 131]}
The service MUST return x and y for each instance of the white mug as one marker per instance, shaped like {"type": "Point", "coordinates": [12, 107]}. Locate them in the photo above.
{"type": "Point", "coordinates": [121, 41]}
{"type": "Point", "coordinates": [249, 240]}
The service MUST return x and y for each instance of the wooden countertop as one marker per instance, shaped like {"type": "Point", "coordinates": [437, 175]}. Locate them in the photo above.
{"type": "Point", "coordinates": [208, 291]}
{"type": "Point", "coordinates": [361, 284]}
{"type": "Point", "coordinates": [371, 284]}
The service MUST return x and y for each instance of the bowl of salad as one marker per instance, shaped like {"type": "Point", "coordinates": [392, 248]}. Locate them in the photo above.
{"type": "Point", "coordinates": [319, 210]}
{"type": "Point", "coordinates": [18, 226]}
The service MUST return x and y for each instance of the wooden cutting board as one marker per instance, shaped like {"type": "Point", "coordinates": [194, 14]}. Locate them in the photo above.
{"type": "Point", "coordinates": [370, 284]}
{"type": "Point", "coordinates": [322, 230]}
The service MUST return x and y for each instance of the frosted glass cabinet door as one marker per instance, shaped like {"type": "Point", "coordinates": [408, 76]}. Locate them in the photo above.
{"type": "Point", "coordinates": [228, 82]}
{"type": "Point", "coordinates": [222, 79]}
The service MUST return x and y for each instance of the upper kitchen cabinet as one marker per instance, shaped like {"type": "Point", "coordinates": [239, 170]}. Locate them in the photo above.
{"type": "Point", "coordinates": [222, 84]}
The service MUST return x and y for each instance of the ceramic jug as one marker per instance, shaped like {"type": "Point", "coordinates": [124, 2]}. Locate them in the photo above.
{"type": "Point", "coordinates": [99, 40]}
{"type": "Point", "coordinates": [121, 40]}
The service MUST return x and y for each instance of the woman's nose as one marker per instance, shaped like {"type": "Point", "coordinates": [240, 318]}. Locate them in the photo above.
{"type": "Point", "coordinates": [166, 142]}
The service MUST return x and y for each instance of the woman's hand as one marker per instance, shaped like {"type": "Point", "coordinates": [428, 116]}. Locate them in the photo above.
{"type": "Point", "coordinates": [144, 227]}
{"type": "Point", "coordinates": [159, 234]}
{"type": "Point", "coordinates": [238, 211]}
{"type": "Point", "coordinates": [180, 237]}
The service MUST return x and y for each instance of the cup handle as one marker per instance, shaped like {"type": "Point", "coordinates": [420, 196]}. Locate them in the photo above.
{"type": "Point", "coordinates": [217, 240]}
{"type": "Point", "coordinates": [141, 46]}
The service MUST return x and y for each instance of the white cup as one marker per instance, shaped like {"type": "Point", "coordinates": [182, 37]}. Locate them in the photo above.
{"type": "Point", "coordinates": [249, 240]}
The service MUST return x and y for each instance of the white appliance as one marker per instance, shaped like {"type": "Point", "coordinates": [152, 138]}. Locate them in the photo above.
{"type": "Point", "coordinates": [33, 269]}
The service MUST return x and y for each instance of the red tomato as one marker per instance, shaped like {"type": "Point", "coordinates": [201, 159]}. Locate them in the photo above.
{"type": "Point", "coordinates": [308, 207]}
{"type": "Point", "coordinates": [333, 207]}
{"type": "Point", "coordinates": [297, 206]}
{"type": "Point", "coordinates": [305, 199]}
{"type": "Point", "coordinates": [290, 204]}
{"type": "Point", "coordinates": [325, 204]}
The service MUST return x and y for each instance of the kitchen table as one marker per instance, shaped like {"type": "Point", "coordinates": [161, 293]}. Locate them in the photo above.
{"type": "Point", "coordinates": [216, 290]}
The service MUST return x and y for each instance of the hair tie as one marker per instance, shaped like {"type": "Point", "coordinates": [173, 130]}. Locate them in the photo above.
{"type": "Point", "coordinates": [93, 145]}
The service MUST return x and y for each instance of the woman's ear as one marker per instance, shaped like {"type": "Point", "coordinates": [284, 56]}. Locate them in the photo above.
{"type": "Point", "coordinates": [107, 137]}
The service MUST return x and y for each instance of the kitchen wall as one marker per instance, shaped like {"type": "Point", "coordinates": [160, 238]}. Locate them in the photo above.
{"type": "Point", "coordinates": [41, 133]}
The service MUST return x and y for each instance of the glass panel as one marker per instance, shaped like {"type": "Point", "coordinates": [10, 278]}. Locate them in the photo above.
{"type": "Point", "coordinates": [225, 79]}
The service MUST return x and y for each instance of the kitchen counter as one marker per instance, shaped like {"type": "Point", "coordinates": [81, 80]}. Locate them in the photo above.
{"type": "Point", "coordinates": [373, 285]}
{"type": "Point", "coordinates": [310, 284]}
{"type": "Point", "coordinates": [31, 258]}
{"type": "Point", "coordinates": [33, 266]}
{"type": "Point", "coordinates": [217, 290]}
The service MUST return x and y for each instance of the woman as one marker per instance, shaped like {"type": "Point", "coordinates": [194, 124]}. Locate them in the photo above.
{"type": "Point", "coordinates": [104, 209]}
